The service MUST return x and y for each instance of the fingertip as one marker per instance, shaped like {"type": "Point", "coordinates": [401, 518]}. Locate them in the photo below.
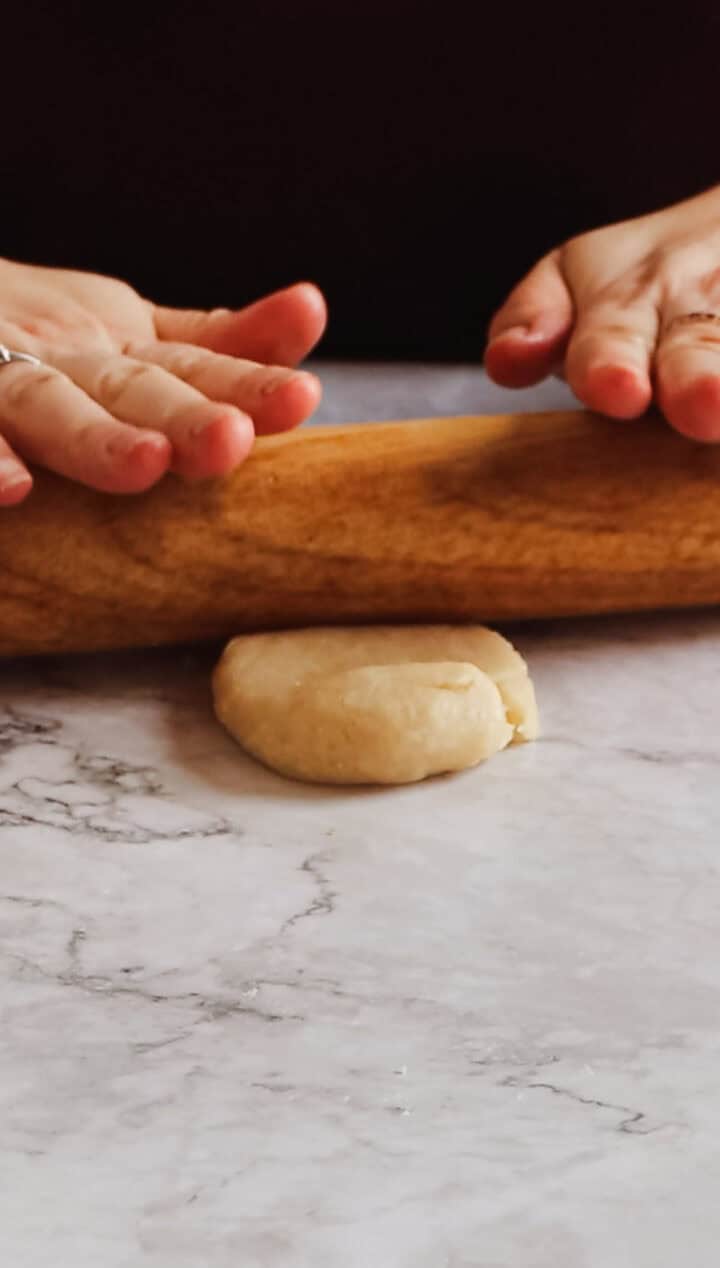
{"type": "Point", "coordinates": [288, 403]}
{"type": "Point", "coordinates": [313, 298]}
{"type": "Point", "coordinates": [218, 447]}
{"type": "Point", "coordinates": [304, 314]}
{"type": "Point", "coordinates": [520, 358]}
{"type": "Point", "coordinates": [138, 464]}
{"type": "Point", "coordinates": [279, 329]}
{"type": "Point", "coordinates": [693, 409]}
{"type": "Point", "coordinates": [15, 488]}
{"type": "Point", "coordinates": [619, 391]}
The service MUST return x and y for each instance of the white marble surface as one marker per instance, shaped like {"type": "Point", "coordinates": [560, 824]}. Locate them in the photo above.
{"type": "Point", "coordinates": [471, 1024]}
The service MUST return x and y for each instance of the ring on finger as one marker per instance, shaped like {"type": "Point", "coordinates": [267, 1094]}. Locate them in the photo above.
{"type": "Point", "coordinates": [8, 355]}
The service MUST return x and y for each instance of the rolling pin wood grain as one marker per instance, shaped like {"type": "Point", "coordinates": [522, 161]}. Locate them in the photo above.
{"type": "Point", "coordinates": [490, 519]}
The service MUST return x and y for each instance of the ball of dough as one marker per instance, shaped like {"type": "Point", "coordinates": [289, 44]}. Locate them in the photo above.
{"type": "Point", "coordinates": [376, 704]}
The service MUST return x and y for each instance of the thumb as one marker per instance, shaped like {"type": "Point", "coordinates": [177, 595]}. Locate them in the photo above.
{"type": "Point", "coordinates": [528, 334]}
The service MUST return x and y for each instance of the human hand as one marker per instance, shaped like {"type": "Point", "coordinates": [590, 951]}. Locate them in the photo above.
{"type": "Point", "coordinates": [128, 390]}
{"type": "Point", "coordinates": [626, 314]}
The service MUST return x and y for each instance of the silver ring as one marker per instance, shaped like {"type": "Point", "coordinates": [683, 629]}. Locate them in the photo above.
{"type": "Point", "coordinates": [8, 355]}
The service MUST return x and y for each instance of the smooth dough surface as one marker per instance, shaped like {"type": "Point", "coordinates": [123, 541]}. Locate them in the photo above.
{"type": "Point", "coordinates": [374, 704]}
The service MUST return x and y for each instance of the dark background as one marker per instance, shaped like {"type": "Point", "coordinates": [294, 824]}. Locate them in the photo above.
{"type": "Point", "coordinates": [413, 159]}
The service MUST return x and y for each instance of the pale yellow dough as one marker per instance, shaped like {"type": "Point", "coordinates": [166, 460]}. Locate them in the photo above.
{"type": "Point", "coordinates": [374, 704]}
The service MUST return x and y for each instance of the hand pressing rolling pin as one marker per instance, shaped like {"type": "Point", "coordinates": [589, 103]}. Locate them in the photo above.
{"type": "Point", "coordinates": [627, 314]}
{"type": "Point", "coordinates": [101, 386]}
{"type": "Point", "coordinates": [127, 390]}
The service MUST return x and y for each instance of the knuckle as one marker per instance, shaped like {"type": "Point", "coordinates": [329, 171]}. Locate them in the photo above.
{"type": "Point", "coordinates": [611, 329]}
{"type": "Point", "coordinates": [693, 329]}
{"type": "Point", "coordinates": [115, 381]}
{"type": "Point", "coordinates": [188, 363]}
{"type": "Point", "coordinates": [123, 290]}
{"type": "Point", "coordinates": [622, 330]}
{"type": "Point", "coordinates": [113, 288]}
{"type": "Point", "coordinates": [134, 349]}
{"type": "Point", "coordinates": [680, 265]}
{"type": "Point", "coordinates": [589, 241]}
{"type": "Point", "coordinates": [576, 243]}
{"type": "Point", "coordinates": [637, 286]}
{"type": "Point", "coordinates": [615, 332]}
{"type": "Point", "coordinates": [708, 339]}
{"type": "Point", "coordinates": [85, 435]}
{"type": "Point", "coordinates": [94, 441]}
{"type": "Point", "coordinates": [25, 383]}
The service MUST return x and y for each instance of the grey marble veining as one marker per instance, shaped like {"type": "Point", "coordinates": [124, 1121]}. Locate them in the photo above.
{"type": "Point", "coordinates": [470, 1024]}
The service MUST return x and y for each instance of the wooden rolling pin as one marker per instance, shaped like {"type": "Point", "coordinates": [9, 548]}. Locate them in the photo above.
{"type": "Point", "coordinates": [469, 518]}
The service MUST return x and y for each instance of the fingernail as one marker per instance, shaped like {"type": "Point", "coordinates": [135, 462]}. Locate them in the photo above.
{"type": "Point", "coordinates": [312, 293]}
{"type": "Point", "coordinates": [278, 381]}
{"type": "Point", "coordinates": [526, 333]}
{"type": "Point", "coordinates": [230, 413]}
{"type": "Point", "coordinates": [15, 482]}
{"type": "Point", "coordinates": [198, 429]}
{"type": "Point", "coordinates": [207, 421]}
{"type": "Point", "coordinates": [513, 332]}
{"type": "Point", "coordinates": [122, 446]}
{"type": "Point", "coordinates": [10, 475]}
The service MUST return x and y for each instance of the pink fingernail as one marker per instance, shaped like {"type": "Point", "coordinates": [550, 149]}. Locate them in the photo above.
{"type": "Point", "coordinates": [278, 381]}
{"type": "Point", "coordinates": [230, 413]}
{"type": "Point", "coordinates": [123, 446]}
{"type": "Point", "coordinates": [15, 482]}
{"type": "Point", "coordinates": [10, 475]}
{"type": "Point", "coordinates": [513, 332]}
{"type": "Point", "coordinates": [200, 428]}
{"type": "Point", "coordinates": [528, 334]}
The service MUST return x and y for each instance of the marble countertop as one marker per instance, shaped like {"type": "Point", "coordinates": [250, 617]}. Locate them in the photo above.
{"type": "Point", "coordinates": [468, 1024]}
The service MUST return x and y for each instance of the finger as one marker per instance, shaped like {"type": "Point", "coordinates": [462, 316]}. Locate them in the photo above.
{"type": "Point", "coordinates": [608, 359]}
{"type": "Point", "coordinates": [15, 479]}
{"type": "Point", "coordinates": [687, 371]}
{"type": "Point", "coordinates": [280, 329]}
{"type": "Point", "coordinates": [276, 399]}
{"type": "Point", "coordinates": [528, 334]}
{"type": "Point", "coordinates": [50, 421]}
{"type": "Point", "coordinates": [208, 438]}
